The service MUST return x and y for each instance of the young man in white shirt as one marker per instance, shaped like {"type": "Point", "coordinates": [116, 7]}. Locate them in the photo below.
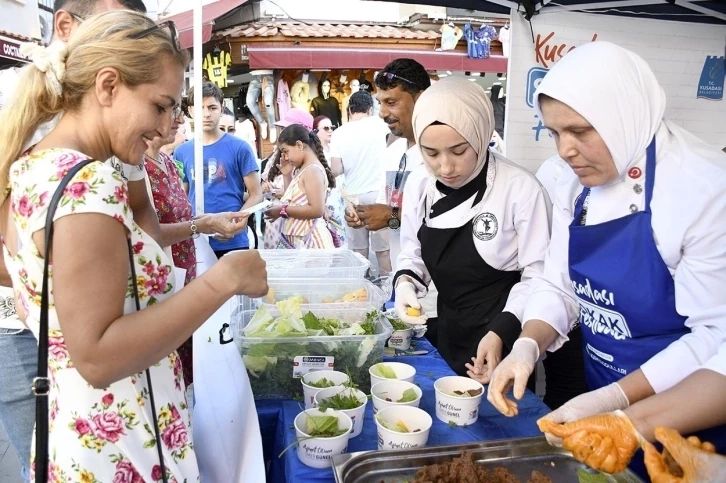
{"type": "Point", "coordinates": [357, 149]}
{"type": "Point", "coordinates": [18, 346]}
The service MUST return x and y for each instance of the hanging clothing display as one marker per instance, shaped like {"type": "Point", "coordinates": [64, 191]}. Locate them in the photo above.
{"type": "Point", "coordinates": [499, 106]}
{"type": "Point", "coordinates": [216, 66]}
{"type": "Point", "coordinates": [300, 95]}
{"type": "Point", "coordinates": [283, 98]}
{"type": "Point", "coordinates": [505, 37]}
{"type": "Point", "coordinates": [450, 36]}
{"type": "Point", "coordinates": [320, 106]}
{"type": "Point", "coordinates": [478, 41]}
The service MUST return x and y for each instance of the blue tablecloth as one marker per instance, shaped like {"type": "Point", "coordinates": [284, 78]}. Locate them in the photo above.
{"type": "Point", "coordinates": [276, 423]}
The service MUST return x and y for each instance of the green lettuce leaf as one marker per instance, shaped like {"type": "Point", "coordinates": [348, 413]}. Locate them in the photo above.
{"type": "Point", "coordinates": [257, 365]}
{"type": "Point", "coordinates": [364, 351]}
{"type": "Point", "coordinates": [408, 396]}
{"type": "Point", "coordinates": [384, 371]}
{"type": "Point", "coordinates": [312, 322]}
{"type": "Point", "coordinates": [259, 322]}
{"type": "Point", "coordinates": [323, 426]}
{"type": "Point", "coordinates": [291, 307]}
{"type": "Point", "coordinates": [399, 427]}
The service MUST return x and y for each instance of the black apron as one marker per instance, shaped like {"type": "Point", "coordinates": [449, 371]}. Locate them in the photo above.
{"type": "Point", "coordinates": [471, 293]}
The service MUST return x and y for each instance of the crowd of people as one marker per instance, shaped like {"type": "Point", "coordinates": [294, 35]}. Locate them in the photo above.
{"type": "Point", "coordinates": [609, 264]}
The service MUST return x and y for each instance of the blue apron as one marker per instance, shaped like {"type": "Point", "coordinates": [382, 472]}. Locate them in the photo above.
{"type": "Point", "coordinates": [626, 294]}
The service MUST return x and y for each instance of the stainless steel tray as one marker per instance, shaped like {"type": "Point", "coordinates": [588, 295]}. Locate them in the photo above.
{"type": "Point", "coordinates": [519, 456]}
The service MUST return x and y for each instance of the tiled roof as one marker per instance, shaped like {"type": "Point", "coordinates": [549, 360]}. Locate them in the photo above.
{"type": "Point", "coordinates": [328, 31]}
{"type": "Point", "coordinates": [20, 38]}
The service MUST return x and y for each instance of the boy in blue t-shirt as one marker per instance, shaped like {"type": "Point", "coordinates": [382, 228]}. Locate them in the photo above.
{"type": "Point", "coordinates": [230, 169]}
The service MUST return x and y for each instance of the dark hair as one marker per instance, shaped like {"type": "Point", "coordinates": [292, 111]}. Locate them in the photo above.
{"type": "Point", "coordinates": [361, 101]}
{"type": "Point", "coordinates": [318, 120]}
{"type": "Point", "coordinates": [297, 132]}
{"type": "Point", "coordinates": [86, 8]}
{"type": "Point", "coordinates": [407, 69]}
{"type": "Point", "coordinates": [209, 89]}
{"type": "Point", "coordinates": [274, 170]}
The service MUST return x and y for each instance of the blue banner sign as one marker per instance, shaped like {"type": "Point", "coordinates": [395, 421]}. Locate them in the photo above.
{"type": "Point", "coordinates": [710, 85]}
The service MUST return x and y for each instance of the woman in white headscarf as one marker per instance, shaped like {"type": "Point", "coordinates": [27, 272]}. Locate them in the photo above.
{"type": "Point", "coordinates": [474, 223]}
{"type": "Point", "coordinates": [638, 250]}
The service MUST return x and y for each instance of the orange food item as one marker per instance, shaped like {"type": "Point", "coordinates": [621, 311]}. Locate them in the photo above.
{"type": "Point", "coordinates": [663, 468]}
{"type": "Point", "coordinates": [605, 442]}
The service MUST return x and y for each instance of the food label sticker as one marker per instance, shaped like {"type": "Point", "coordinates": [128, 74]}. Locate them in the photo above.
{"type": "Point", "coordinates": [301, 365]}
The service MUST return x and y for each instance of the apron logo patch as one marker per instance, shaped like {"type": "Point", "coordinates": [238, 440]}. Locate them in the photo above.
{"type": "Point", "coordinates": [604, 321]}
{"type": "Point", "coordinates": [485, 226]}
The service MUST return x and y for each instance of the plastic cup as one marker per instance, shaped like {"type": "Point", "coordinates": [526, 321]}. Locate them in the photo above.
{"type": "Point", "coordinates": [404, 372]}
{"type": "Point", "coordinates": [461, 410]}
{"type": "Point", "coordinates": [401, 339]}
{"type": "Point", "coordinates": [319, 452]}
{"type": "Point", "coordinates": [309, 392]}
{"type": "Point", "coordinates": [393, 390]}
{"type": "Point", "coordinates": [415, 419]}
{"type": "Point", "coordinates": [356, 415]}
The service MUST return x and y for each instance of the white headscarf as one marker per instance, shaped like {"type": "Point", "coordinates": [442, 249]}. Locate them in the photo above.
{"type": "Point", "coordinates": [615, 91]}
{"type": "Point", "coordinates": [461, 105]}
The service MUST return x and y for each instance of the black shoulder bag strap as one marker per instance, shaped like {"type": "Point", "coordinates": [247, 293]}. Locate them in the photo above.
{"type": "Point", "coordinates": [41, 384]}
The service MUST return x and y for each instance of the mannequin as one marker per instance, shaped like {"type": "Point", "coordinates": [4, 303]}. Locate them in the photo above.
{"type": "Point", "coordinates": [354, 87]}
{"type": "Point", "coordinates": [326, 105]}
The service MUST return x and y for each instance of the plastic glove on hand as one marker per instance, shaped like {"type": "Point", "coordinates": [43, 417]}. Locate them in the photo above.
{"type": "Point", "coordinates": [605, 442]}
{"type": "Point", "coordinates": [407, 306]}
{"type": "Point", "coordinates": [604, 400]}
{"type": "Point", "coordinates": [692, 460]}
{"type": "Point", "coordinates": [514, 370]}
{"type": "Point", "coordinates": [488, 357]}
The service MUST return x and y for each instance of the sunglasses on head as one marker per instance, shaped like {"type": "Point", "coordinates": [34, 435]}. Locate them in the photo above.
{"type": "Point", "coordinates": [325, 128]}
{"type": "Point", "coordinates": [389, 76]}
{"type": "Point", "coordinates": [168, 25]}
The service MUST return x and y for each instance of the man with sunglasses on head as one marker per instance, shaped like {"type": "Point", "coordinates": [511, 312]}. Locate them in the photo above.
{"type": "Point", "coordinates": [398, 86]}
{"type": "Point", "coordinates": [18, 346]}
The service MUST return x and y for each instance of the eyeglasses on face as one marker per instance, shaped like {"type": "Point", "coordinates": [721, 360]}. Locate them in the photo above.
{"type": "Point", "coordinates": [389, 76]}
{"type": "Point", "coordinates": [325, 128]}
{"type": "Point", "coordinates": [168, 25]}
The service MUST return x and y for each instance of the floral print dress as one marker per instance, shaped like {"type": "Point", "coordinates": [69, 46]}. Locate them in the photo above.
{"type": "Point", "coordinates": [172, 206]}
{"type": "Point", "coordinates": [99, 435]}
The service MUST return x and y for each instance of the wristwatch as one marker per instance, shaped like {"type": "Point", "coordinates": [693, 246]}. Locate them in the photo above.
{"type": "Point", "coordinates": [394, 223]}
{"type": "Point", "coordinates": [193, 228]}
{"type": "Point", "coordinates": [283, 210]}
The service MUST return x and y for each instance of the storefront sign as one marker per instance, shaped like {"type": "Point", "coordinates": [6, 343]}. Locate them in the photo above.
{"type": "Point", "coordinates": [10, 49]}
{"type": "Point", "coordinates": [711, 83]}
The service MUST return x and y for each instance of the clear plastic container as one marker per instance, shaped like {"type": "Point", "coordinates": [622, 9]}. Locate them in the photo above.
{"type": "Point", "coordinates": [271, 361]}
{"type": "Point", "coordinates": [335, 263]}
{"type": "Point", "coordinates": [319, 293]}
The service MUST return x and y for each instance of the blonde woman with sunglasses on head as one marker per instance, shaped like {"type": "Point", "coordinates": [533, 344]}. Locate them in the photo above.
{"type": "Point", "coordinates": [101, 414]}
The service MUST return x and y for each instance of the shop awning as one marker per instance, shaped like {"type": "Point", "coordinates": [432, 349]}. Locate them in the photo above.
{"type": "Point", "coordinates": [210, 13]}
{"type": "Point", "coordinates": [342, 58]}
{"type": "Point", "coordinates": [10, 46]}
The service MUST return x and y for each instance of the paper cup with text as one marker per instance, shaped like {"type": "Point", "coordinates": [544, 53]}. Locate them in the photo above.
{"type": "Point", "coordinates": [356, 415]}
{"type": "Point", "coordinates": [404, 372]}
{"type": "Point", "coordinates": [309, 392]}
{"type": "Point", "coordinates": [401, 339]}
{"type": "Point", "coordinates": [387, 393]}
{"type": "Point", "coordinates": [319, 452]}
{"type": "Point", "coordinates": [461, 410]}
{"type": "Point", "coordinates": [416, 420]}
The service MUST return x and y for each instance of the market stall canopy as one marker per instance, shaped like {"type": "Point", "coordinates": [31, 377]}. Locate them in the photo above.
{"type": "Point", "coordinates": [210, 13]}
{"type": "Point", "coordinates": [285, 45]}
{"type": "Point", "coordinates": [699, 11]}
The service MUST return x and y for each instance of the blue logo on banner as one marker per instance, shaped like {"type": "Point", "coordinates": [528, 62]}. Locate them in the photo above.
{"type": "Point", "coordinates": [534, 77]}
{"type": "Point", "coordinates": [710, 86]}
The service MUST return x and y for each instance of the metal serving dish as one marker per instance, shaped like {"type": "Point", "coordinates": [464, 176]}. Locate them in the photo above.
{"type": "Point", "coordinates": [519, 456]}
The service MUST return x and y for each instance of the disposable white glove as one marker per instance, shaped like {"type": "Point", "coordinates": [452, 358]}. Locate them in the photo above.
{"type": "Point", "coordinates": [514, 370]}
{"type": "Point", "coordinates": [488, 357]}
{"type": "Point", "coordinates": [406, 296]}
{"type": "Point", "coordinates": [604, 400]}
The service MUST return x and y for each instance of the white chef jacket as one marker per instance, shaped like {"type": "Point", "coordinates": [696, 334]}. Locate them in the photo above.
{"type": "Point", "coordinates": [689, 228]}
{"type": "Point", "coordinates": [717, 363]}
{"type": "Point", "coordinates": [518, 203]}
